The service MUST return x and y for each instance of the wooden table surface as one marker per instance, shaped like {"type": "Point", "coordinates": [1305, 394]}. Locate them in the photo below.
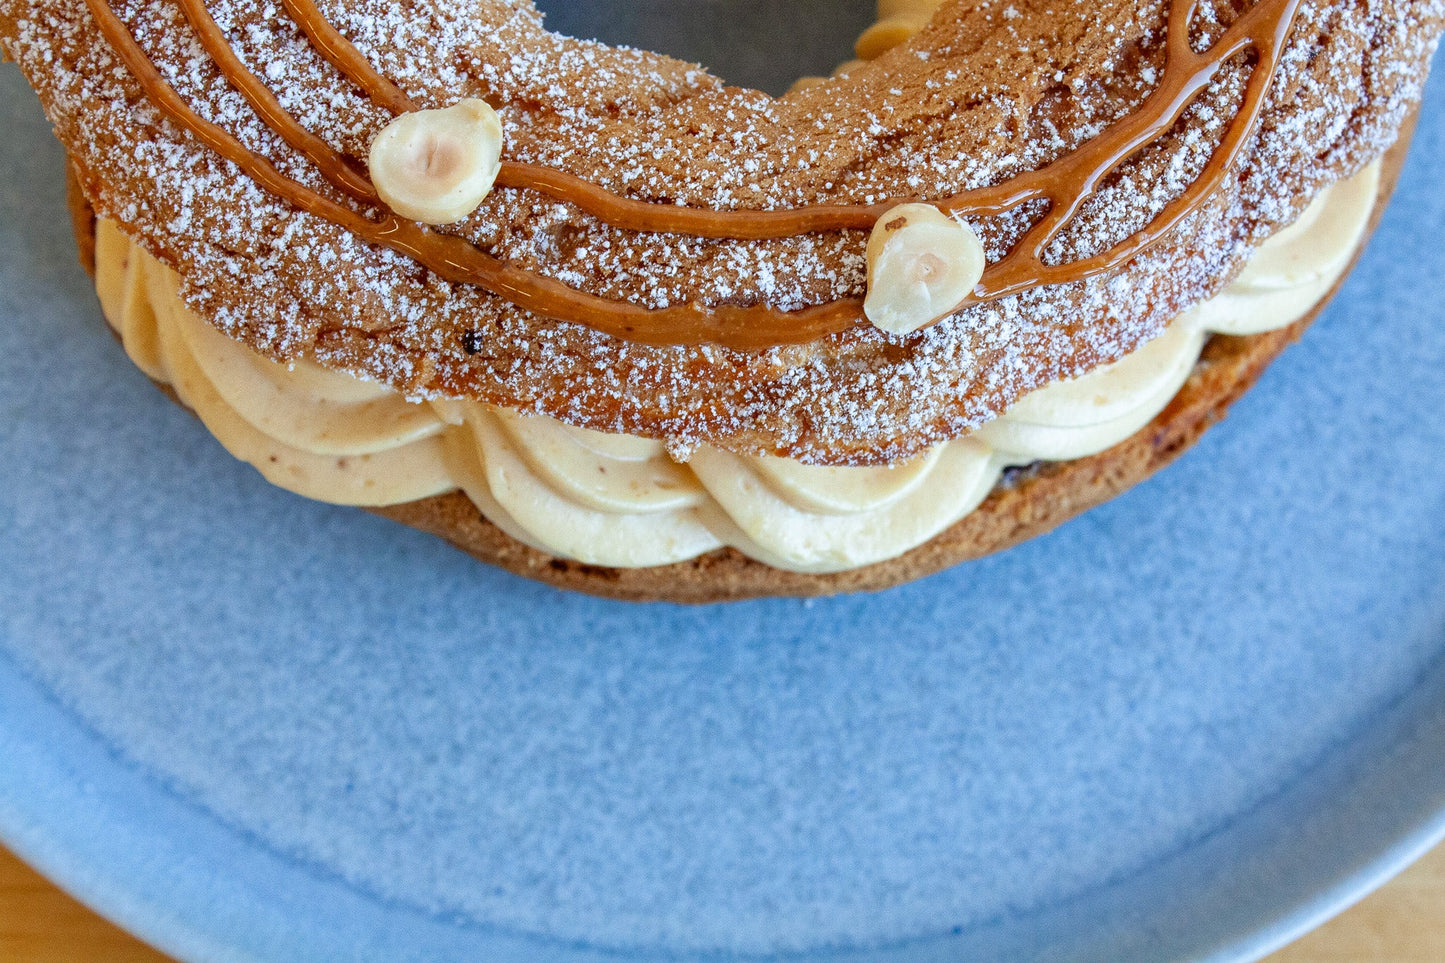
{"type": "Point", "coordinates": [1402, 923]}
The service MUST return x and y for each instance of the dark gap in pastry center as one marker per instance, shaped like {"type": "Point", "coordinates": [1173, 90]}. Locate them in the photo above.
{"type": "Point", "coordinates": [766, 44]}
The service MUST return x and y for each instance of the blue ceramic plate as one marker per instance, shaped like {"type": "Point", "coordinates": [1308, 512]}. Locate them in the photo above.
{"type": "Point", "coordinates": [1190, 724]}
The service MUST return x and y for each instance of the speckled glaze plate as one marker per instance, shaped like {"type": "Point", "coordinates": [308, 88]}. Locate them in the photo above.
{"type": "Point", "coordinates": [1188, 725]}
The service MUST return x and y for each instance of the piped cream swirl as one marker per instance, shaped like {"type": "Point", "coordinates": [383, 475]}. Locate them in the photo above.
{"type": "Point", "coordinates": [620, 501]}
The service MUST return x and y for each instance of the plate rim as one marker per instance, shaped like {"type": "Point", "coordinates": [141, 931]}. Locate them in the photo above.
{"type": "Point", "coordinates": [130, 891]}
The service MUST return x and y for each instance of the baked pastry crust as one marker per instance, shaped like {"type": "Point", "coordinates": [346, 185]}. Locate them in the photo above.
{"type": "Point", "coordinates": [1028, 503]}
{"type": "Point", "coordinates": [981, 95]}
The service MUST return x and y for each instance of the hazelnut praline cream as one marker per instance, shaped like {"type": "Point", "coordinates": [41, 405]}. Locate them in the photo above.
{"type": "Point", "coordinates": [620, 501]}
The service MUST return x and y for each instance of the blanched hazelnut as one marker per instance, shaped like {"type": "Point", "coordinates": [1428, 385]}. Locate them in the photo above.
{"type": "Point", "coordinates": [437, 166]}
{"type": "Point", "coordinates": [921, 265]}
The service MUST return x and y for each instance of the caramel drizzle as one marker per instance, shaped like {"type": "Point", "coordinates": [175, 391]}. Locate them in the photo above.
{"type": "Point", "coordinates": [457, 260]}
{"type": "Point", "coordinates": [616, 211]}
{"type": "Point", "coordinates": [1068, 182]}
{"type": "Point", "coordinates": [1065, 185]}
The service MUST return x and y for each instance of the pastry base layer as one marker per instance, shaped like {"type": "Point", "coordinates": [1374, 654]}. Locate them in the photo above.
{"type": "Point", "coordinates": [1026, 504]}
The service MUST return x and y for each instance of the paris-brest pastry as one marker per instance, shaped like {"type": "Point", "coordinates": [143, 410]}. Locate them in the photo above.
{"type": "Point", "coordinates": [595, 317]}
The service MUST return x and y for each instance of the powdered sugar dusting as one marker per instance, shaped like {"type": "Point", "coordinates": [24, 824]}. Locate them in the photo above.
{"type": "Point", "coordinates": [988, 90]}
